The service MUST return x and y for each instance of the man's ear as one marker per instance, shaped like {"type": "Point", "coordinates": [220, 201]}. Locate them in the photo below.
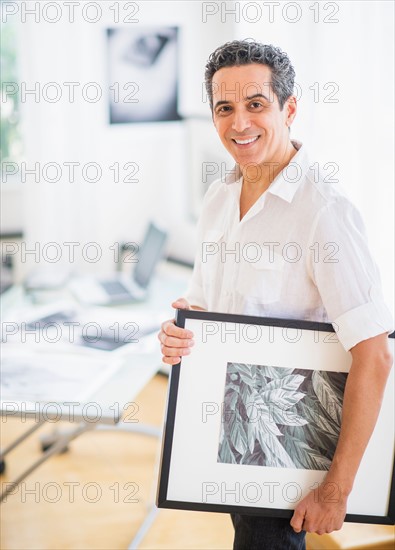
{"type": "Point", "coordinates": [291, 108]}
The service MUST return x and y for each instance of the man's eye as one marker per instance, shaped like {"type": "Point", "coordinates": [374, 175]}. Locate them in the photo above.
{"type": "Point", "coordinates": [223, 109]}
{"type": "Point", "coordinates": [256, 104]}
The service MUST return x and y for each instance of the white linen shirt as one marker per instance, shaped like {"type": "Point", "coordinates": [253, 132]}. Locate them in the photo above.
{"type": "Point", "coordinates": [300, 252]}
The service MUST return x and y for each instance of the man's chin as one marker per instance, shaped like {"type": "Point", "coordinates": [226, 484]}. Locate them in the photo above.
{"type": "Point", "coordinates": [253, 160]}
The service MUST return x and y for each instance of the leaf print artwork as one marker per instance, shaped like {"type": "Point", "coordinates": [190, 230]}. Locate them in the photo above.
{"type": "Point", "coordinates": [280, 417]}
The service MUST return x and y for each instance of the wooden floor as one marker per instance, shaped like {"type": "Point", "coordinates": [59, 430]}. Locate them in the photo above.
{"type": "Point", "coordinates": [96, 495]}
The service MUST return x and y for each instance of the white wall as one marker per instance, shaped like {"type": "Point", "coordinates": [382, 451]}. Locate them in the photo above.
{"type": "Point", "coordinates": [357, 54]}
{"type": "Point", "coordinates": [106, 212]}
{"type": "Point", "coordinates": [355, 133]}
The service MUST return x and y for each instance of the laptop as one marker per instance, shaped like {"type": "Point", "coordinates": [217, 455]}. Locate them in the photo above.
{"type": "Point", "coordinates": [122, 288]}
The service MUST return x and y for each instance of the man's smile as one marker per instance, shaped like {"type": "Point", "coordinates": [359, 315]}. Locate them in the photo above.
{"type": "Point", "coordinates": [245, 142]}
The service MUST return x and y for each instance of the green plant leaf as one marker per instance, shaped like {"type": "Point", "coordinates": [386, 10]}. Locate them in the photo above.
{"type": "Point", "coordinates": [225, 453]}
{"type": "Point", "coordinates": [276, 455]}
{"type": "Point", "coordinates": [260, 413]}
{"type": "Point", "coordinates": [327, 396]}
{"type": "Point", "coordinates": [247, 373]}
{"type": "Point", "coordinates": [234, 429]}
{"type": "Point", "coordinates": [282, 398]}
{"type": "Point", "coordinates": [290, 382]}
{"type": "Point", "coordinates": [286, 417]}
{"type": "Point", "coordinates": [306, 456]}
{"type": "Point", "coordinates": [313, 411]}
{"type": "Point", "coordinates": [274, 372]}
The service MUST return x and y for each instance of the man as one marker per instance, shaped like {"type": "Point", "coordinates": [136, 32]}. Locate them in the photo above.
{"type": "Point", "coordinates": [318, 267]}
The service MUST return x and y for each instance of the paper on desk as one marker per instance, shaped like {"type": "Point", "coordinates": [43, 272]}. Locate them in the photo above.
{"type": "Point", "coordinates": [45, 377]}
{"type": "Point", "coordinates": [68, 327]}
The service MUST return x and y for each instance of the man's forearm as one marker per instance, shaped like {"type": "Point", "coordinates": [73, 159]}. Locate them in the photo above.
{"type": "Point", "coordinates": [362, 401]}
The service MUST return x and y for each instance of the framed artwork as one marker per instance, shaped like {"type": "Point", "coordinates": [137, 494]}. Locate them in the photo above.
{"type": "Point", "coordinates": [143, 74]}
{"type": "Point", "coordinates": [253, 419]}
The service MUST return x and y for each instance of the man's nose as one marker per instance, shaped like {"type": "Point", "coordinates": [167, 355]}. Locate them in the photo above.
{"type": "Point", "coordinates": [241, 121]}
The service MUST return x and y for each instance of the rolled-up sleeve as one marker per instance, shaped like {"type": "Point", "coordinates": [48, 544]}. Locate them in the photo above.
{"type": "Point", "coordinates": [346, 275]}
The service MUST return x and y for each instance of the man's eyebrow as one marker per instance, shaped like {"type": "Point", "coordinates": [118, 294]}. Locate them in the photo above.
{"type": "Point", "coordinates": [247, 98]}
{"type": "Point", "coordinates": [221, 102]}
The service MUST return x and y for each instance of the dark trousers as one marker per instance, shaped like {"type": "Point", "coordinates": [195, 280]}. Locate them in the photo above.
{"type": "Point", "coordinates": [259, 533]}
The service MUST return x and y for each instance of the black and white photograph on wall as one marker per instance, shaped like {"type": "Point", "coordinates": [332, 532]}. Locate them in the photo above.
{"type": "Point", "coordinates": [143, 74]}
{"type": "Point", "coordinates": [281, 417]}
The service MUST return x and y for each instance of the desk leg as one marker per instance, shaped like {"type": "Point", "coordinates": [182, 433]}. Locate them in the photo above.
{"type": "Point", "coordinates": [21, 438]}
{"type": "Point", "coordinates": [53, 449]}
{"type": "Point", "coordinates": [133, 427]}
{"type": "Point", "coordinates": [144, 528]}
{"type": "Point", "coordinates": [61, 442]}
{"type": "Point", "coordinates": [152, 431]}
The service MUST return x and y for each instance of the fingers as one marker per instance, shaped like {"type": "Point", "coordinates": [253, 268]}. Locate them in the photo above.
{"type": "Point", "coordinates": [315, 524]}
{"type": "Point", "coordinates": [315, 516]}
{"type": "Point", "coordinates": [172, 351]}
{"type": "Point", "coordinates": [176, 342]}
{"type": "Point", "coordinates": [311, 527]}
{"type": "Point", "coordinates": [172, 355]}
{"type": "Point", "coordinates": [297, 520]}
{"type": "Point", "coordinates": [170, 330]}
{"type": "Point", "coordinates": [171, 360]}
{"type": "Point", "coordinates": [181, 303]}
{"type": "Point", "coordinates": [321, 527]}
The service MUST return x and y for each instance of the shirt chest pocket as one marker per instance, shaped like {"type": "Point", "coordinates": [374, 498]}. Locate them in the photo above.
{"type": "Point", "coordinates": [261, 281]}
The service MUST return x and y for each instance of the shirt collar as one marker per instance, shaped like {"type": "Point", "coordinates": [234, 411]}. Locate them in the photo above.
{"type": "Point", "coordinates": [287, 181]}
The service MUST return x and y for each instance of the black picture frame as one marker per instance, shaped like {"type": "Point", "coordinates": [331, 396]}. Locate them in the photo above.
{"type": "Point", "coordinates": [184, 451]}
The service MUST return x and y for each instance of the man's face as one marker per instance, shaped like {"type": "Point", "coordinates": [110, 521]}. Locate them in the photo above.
{"type": "Point", "coordinates": [245, 109]}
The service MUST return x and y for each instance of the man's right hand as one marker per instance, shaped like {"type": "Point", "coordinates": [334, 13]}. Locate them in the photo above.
{"type": "Point", "coordinates": [175, 341]}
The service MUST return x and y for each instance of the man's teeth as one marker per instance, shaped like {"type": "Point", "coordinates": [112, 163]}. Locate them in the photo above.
{"type": "Point", "coordinates": [241, 142]}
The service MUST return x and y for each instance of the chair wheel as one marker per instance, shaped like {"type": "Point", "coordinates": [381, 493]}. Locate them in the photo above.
{"type": "Point", "coordinates": [45, 446]}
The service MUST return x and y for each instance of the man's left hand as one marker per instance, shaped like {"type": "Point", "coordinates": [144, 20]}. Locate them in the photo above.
{"type": "Point", "coordinates": [321, 511]}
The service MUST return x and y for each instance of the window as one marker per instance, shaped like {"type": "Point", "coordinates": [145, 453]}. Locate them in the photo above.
{"type": "Point", "coordinates": [10, 137]}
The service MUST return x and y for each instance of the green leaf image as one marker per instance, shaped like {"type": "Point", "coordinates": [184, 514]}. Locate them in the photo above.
{"type": "Point", "coordinates": [282, 398]}
{"type": "Point", "coordinates": [287, 417]}
{"type": "Point", "coordinates": [306, 456]}
{"type": "Point", "coordinates": [327, 395]}
{"type": "Point", "coordinates": [280, 417]}
{"type": "Point", "coordinates": [290, 382]}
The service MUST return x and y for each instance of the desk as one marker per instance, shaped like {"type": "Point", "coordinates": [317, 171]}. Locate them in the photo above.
{"type": "Point", "coordinates": [136, 370]}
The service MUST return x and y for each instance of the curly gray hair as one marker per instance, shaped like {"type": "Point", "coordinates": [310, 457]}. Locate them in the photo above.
{"type": "Point", "coordinates": [244, 52]}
